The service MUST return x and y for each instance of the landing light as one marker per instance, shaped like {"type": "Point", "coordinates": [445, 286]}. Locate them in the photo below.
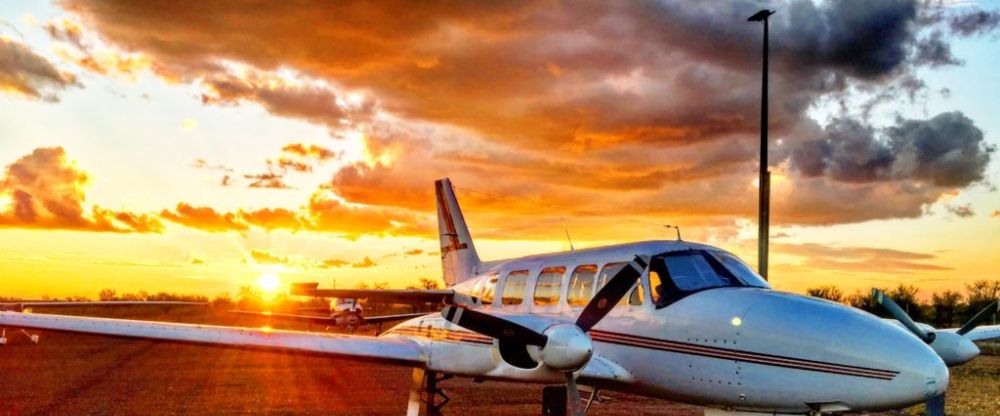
{"type": "Point", "coordinates": [736, 321]}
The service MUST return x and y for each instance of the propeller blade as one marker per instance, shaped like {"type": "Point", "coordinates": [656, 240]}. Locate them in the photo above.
{"type": "Point", "coordinates": [987, 312]}
{"type": "Point", "coordinates": [492, 326]}
{"type": "Point", "coordinates": [610, 294]}
{"type": "Point", "coordinates": [890, 306]}
{"type": "Point", "coordinates": [573, 396]}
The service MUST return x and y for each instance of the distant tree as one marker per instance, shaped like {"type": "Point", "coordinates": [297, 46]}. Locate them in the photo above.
{"type": "Point", "coordinates": [424, 283]}
{"type": "Point", "coordinates": [828, 292]}
{"type": "Point", "coordinates": [361, 285]}
{"type": "Point", "coordinates": [945, 305]}
{"type": "Point", "coordinates": [906, 297]}
{"type": "Point", "coordinates": [865, 302]}
{"type": "Point", "coordinates": [979, 294]}
{"type": "Point", "coordinates": [107, 294]}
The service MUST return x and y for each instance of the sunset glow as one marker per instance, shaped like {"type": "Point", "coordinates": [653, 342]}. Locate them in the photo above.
{"type": "Point", "coordinates": [151, 147]}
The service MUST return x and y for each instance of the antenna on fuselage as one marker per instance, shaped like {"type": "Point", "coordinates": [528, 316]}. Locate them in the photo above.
{"type": "Point", "coordinates": [566, 230]}
{"type": "Point", "coordinates": [676, 228]}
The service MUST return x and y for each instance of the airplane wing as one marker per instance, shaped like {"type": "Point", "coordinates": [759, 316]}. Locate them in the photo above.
{"type": "Point", "coordinates": [326, 320]}
{"type": "Point", "coordinates": [600, 370]}
{"type": "Point", "coordinates": [21, 305]}
{"type": "Point", "coordinates": [385, 350]}
{"type": "Point", "coordinates": [981, 333]}
{"type": "Point", "coordinates": [385, 295]}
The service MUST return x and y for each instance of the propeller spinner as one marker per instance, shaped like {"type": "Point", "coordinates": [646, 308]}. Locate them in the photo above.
{"type": "Point", "coordinates": [562, 347]}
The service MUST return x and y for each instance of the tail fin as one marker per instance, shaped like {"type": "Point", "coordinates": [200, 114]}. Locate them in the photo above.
{"type": "Point", "coordinates": [459, 260]}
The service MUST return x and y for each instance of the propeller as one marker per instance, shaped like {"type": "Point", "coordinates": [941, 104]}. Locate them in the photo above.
{"type": "Point", "coordinates": [978, 319]}
{"type": "Point", "coordinates": [890, 306]}
{"type": "Point", "coordinates": [563, 347]}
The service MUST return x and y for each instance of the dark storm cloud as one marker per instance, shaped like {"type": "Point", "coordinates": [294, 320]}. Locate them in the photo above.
{"type": "Point", "coordinates": [575, 103]}
{"type": "Point", "coordinates": [946, 151]}
{"type": "Point", "coordinates": [27, 74]}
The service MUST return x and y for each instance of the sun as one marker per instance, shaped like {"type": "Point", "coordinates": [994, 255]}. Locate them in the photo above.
{"type": "Point", "coordinates": [269, 283]}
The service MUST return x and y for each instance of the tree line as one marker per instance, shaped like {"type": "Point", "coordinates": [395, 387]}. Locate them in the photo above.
{"type": "Point", "coordinates": [945, 309]}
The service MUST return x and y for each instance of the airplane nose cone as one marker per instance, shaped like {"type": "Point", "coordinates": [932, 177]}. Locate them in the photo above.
{"type": "Point", "coordinates": [834, 333]}
{"type": "Point", "coordinates": [954, 349]}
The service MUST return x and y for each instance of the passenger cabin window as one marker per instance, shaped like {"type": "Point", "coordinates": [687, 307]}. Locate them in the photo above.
{"type": "Point", "coordinates": [489, 289]}
{"type": "Point", "coordinates": [581, 285]}
{"type": "Point", "coordinates": [547, 286]}
{"type": "Point", "coordinates": [513, 287]}
{"type": "Point", "coordinates": [609, 271]}
{"type": "Point", "coordinates": [635, 299]}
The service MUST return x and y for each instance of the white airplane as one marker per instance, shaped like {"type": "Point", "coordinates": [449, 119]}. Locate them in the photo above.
{"type": "Point", "coordinates": [675, 320]}
{"type": "Point", "coordinates": [342, 312]}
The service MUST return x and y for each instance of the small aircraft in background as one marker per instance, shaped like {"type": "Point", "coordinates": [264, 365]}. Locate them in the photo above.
{"type": "Point", "coordinates": [675, 320]}
{"type": "Point", "coordinates": [342, 313]}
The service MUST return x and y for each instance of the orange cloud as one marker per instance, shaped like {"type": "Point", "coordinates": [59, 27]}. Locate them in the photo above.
{"type": "Point", "coordinates": [204, 218]}
{"type": "Point", "coordinates": [364, 264]}
{"type": "Point", "coordinates": [45, 190]}
{"type": "Point", "coordinates": [272, 218]}
{"type": "Point", "coordinates": [265, 257]}
{"type": "Point", "coordinates": [27, 74]}
{"type": "Point", "coordinates": [333, 263]}
{"type": "Point", "coordinates": [860, 259]}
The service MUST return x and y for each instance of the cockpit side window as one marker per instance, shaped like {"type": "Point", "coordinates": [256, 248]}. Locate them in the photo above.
{"type": "Point", "coordinates": [682, 273]}
{"type": "Point", "coordinates": [513, 287]}
{"type": "Point", "coordinates": [740, 269]}
{"type": "Point", "coordinates": [547, 286]}
{"type": "Point", "coordinates": [581, 285]}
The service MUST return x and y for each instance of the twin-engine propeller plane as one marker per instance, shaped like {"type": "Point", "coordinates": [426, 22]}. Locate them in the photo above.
{"type": "Point", "coordinates": [668, 319]}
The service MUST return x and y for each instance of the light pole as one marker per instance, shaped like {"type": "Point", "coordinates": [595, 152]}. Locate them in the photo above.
{"type": "Point", "coordinates": [764, 182]}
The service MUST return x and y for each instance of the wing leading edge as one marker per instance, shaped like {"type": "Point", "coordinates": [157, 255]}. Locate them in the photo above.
{"type": "Point", "coordinates": [395, 350]}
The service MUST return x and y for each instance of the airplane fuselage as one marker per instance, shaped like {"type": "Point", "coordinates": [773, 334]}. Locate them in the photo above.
{"type": "Point", "coordinates": [743, 346]}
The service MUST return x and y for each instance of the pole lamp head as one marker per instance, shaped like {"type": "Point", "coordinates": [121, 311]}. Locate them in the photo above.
{"type": "Point", "coordinates": [760, 16]}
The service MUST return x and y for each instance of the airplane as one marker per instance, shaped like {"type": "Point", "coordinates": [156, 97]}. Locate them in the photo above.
{"type": "Point", "coordinates": [342, 313]}
{"type": "Point", "coordinates": [675, 320]}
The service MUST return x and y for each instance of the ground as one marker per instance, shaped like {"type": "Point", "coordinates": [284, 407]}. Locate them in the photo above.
{"type": "Point", "coordinates": [85, 374]}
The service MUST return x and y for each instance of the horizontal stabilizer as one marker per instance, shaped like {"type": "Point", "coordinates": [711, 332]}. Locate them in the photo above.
{"type": "Point", "coordinates": [382, 295]}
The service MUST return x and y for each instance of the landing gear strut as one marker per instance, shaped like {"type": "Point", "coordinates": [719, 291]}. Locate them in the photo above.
{"type": "Point", "coordinates": [424, 391]}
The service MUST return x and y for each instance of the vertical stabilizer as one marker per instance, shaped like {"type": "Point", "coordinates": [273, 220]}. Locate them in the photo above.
{"type": "Point", "coordinates": [459, 260]}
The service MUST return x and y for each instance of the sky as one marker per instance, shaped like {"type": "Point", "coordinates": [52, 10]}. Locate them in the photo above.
{"type": "Point", "coordinates": [192, 147]}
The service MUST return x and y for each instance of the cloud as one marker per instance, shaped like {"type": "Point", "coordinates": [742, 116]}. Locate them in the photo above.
{"type": "Point", "coordinates": [615, 109]}
{"type": "Point", "coordinates": [947, 150]}
{"type": "Point", "coordinates": [961, 211]}
{"type": "Point", "coordinates": [85, 52]}
{"type": "Point", "coordinates": [333, 263]}
{"type": "Point", "coordinates": [27, 74]}
{"type": "Point", "coordinates": [414, 252]}
{"type": "Point", "coordinates": [204, 218]}
{"type": "Point", "coordinates": [364, 264]}
{"type": "Point", "coordinates": [272, 219]}
{"type": "Point", "coordinates": [46, 190]}
{"type": "Point", "coordinates": [197, 261]}
{"type": "Point", "coordinates": [299, 157]}
{"type": "Point", "coordinates": [268, 180]}
{"type": "Point", "coordinates": [996, 214]}
{"type": "Point", "coordinates": [265, 257]}
{"type": "Point", "coordinates": [975, 22]}
{"type": "Point", "coordinates": [859, 259]}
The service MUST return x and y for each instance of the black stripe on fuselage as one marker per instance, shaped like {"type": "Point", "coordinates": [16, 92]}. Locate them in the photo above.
{"type": "Point", "coordinates": [738, 355]}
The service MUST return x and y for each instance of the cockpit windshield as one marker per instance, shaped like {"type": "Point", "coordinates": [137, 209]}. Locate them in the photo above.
{"type": "Point", "coordinates": [675, 275]}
